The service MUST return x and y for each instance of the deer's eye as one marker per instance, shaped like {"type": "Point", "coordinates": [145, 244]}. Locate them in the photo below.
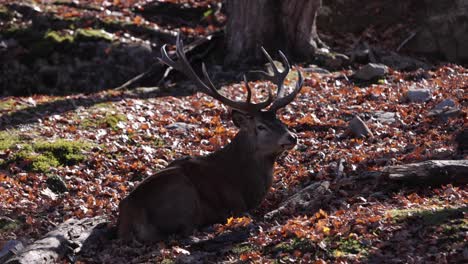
{"type": "Point", "coordinates": [261, 127]}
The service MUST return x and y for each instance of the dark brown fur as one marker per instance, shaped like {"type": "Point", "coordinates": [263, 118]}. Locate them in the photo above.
{"type": "Point", "coordinates": [199, 191]}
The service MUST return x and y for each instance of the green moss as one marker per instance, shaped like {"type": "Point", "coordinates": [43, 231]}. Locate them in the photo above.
{"type": "Point", "coordinates": [301, 244]}
{"type": "Point", "coordinates": [66, 152]}
{"type": "Point", "coordinates": [112, 120]}
{"type": "Point", "coordinates": [435, 216]}
{"type": "Point", "coordinates": [43, 162]}
{"type": "Point", "coordinates": [93, 34]}
{"type": "Point", "coordinates": [242, 248]}
{"type": "Point", "coordinates": [7, 224]}
{"type": "Point", "coordinates": [59, 37]}
{"type": "Point", "coordinates": [5, 13]}
{"type": "Point", "coordinates": [158, 143]}
{"type": "Point", "coordinates": [42, 156]}
{"type": "Point", "coordinates": [68, 36]}
{"type": "Point", "coordinates": [167, 261]}
{"type": "Point", "coordinates": [8, 140]}
{"type": "Point", "coordinates": [104, 105]}
{"type": "Point", "coordinates": [24, 151]}
{"type": "Point", "coordinates": [350, 246]}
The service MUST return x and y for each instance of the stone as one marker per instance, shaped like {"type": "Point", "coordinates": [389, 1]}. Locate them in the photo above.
{"type": "Point", "coordinates": [417, 95]}
{"type": "Point", "coordinates": [385, 117]}
{"type": "Point", "coordinates": [180, 126]}
{"type": "Point", "coordinates": [371, 71]}
{"type": "Point", "coordinates": [444, 110]}
{"type": "Point", "coordinates": [447, 103]}
{"type": "Point", "coordinates": [331, 60]}
{"type": "Point", "coordinates": [358, 128]}
{"type": "Point", "coordinates": [56, 184]}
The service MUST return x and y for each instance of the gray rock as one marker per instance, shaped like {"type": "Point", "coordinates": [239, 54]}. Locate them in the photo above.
{"type": "Point", "coordinates": [444, 110]}
{"type": "Point", "coordinates": [358, 128]}
{"type": "Point", "coordinates": [445, 104]}
{"type": "Point", "coordinates": [371, 71]}
{"type": "Point", "coordinates": [417, 95]}
{"type": "Point", "coordinates": [180, 126]}
{"type": "Point", "coordinates": [331, 60]}
{"type": "Point", "coordinates": [56, 184]}
{"type": "Point", "coordinates": [385, 117]}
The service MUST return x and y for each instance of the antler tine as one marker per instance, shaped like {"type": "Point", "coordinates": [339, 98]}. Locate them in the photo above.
{"type": "Point", "coordinates": [207, 87]}
{"type": "Point", "coordinates": [283, 101]}
{"type": "Point", "coordinates": [278, 77]}
{"type": "Point", "coordinates": [280, 92]}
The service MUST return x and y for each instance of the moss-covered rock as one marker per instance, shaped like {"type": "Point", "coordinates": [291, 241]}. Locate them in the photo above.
{"type": "Point", "coordinates": [43, 162]}
{"type": "Point", "coordinates": [86, 34]}
{"type": "Point", "coordinates": [66, 152]}
{"type": "Point", "coordinates": [56, 184]}
{"type": "Point", "coordinates": [59, 36]}
{"type": "Point", "coordinates": [429, 216]}
{"type": "Point", "coordinates": [7, 224]}
{"type": "Point", "coordinates": [43, 155]}
{"type": "Point", "coordinates": [110, 120]}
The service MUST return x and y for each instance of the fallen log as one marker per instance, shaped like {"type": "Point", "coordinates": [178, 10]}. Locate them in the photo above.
{"type": "Point", "coordinates": [311, 197]}
{"type": "Point", "coordinates": [430, 172]}
{"type": "Point", "coordinates": [66, 240]}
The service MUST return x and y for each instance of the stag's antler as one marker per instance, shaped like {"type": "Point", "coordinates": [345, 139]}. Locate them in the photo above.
{"type": "Point", "coordinates": [207, 87]}
{"type": "Point", "coordinates": [278, 79]}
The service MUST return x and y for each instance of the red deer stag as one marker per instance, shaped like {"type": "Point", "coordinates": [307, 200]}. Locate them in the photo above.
{"type": "Point", "coordinates": [198, 191]}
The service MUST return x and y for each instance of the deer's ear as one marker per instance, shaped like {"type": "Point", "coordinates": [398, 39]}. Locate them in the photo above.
{"type": "Point", "coordinates": [239, 118]}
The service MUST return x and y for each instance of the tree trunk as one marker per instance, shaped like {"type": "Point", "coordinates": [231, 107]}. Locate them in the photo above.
{"type": "Point", "coordinates": [289, 26]}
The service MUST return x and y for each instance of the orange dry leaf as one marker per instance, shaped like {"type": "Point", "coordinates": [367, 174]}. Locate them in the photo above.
{"type": "Point", "coordinates": [137, 20]}
{"type": "Point", "coordinates": [321, 214]}
{"type": "Point", "coordinates": [29, 220]}
{"type": "Point", "coordinates": [237, 222]}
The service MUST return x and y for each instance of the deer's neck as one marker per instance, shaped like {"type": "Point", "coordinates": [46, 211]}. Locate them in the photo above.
{"type": "Point", "coordinates": [243, 153]}
{"type": "Point", "coordinates": [246, 171]}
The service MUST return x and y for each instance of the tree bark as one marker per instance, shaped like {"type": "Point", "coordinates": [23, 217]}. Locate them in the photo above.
{"type": "Point", "coordinates": [431, 172]}
{"type": "Point", "coordinates": [289, 26]}
{"type": "Point", "coordinates": [68, 238]}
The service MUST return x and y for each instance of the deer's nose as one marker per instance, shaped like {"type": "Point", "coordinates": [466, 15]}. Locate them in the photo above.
{"type": "Point", "coordinates": [289, 141]}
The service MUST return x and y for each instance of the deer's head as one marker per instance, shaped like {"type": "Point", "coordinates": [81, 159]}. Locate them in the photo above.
{"type": "Point", "coordinates": [258, 121]}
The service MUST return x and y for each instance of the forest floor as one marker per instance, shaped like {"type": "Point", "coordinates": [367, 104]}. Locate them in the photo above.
{"type": "Point", "coordinates": [78, 155]}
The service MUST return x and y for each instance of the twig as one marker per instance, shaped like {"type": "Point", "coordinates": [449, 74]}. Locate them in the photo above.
{"type": "Point", "coordinates": [160, 66]}
{"type": "Point", "coordinates": [411, 36]}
